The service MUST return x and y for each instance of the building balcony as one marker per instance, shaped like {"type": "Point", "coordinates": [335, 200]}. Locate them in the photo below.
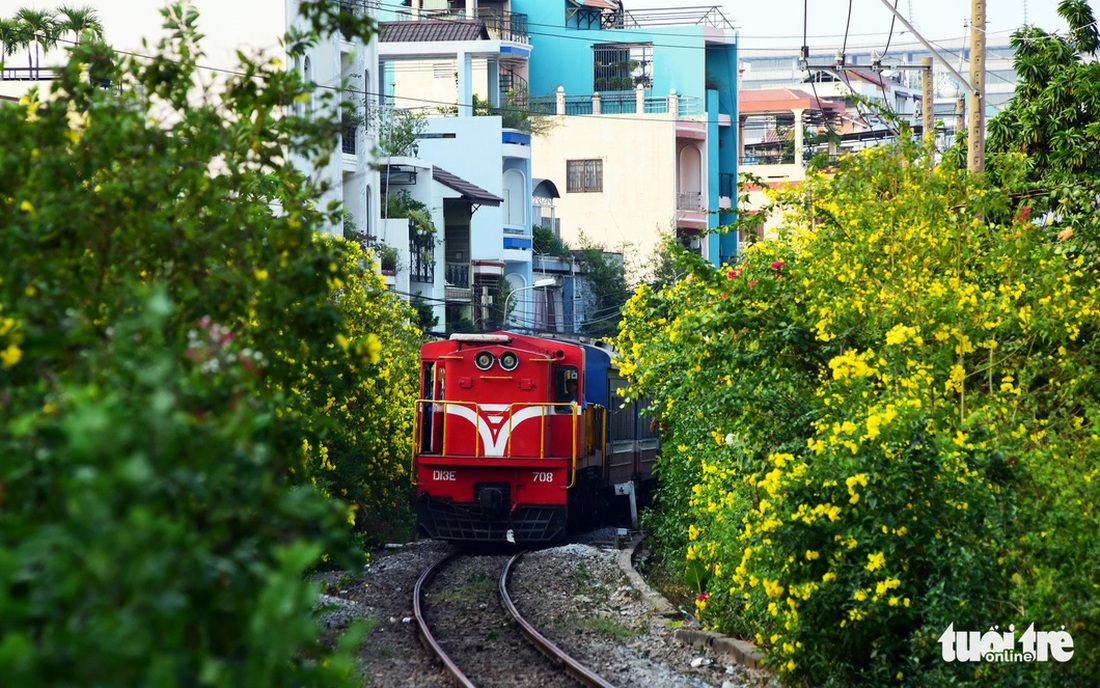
{"type": "Point", "coordinates": [689, 200]}
{"type": "Point", "coordinates": [457, 275]}
{"type": "Point", "coordinates": [690, 214]}
{"type": "Point", "coordinates": [501, 25]}
{"type": "Point", "coordinates": [635, 102]}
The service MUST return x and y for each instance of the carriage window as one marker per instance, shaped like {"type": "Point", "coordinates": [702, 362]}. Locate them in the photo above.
{"type": "Point", "coordinates": [565, 386]}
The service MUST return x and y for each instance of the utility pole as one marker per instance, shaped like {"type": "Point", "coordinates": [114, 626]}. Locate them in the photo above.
{"type": "Point", "coordinates": [975, 161]}
{"type": "Point", "coordinates": [976, 86]}
{"type": "Point", "coordinates": [928, 120]}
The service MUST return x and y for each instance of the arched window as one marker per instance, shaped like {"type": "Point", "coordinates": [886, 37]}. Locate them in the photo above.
{"type": "Point", "coordinates": [514, 207]}
{"type": "Point", "coordinates": [691, 179]}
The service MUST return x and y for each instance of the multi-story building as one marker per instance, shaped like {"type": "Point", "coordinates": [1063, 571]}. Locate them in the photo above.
{"type": "Point", "coordinates": [349, 69]}
{"type": "Point", "coordinates": [461, 67]}
{"type": "Point", "coordinates": [642, 107]}
{"type": "Point", "coordinates": [336, 65]}
{"type": "Point", "coordinates": [892, 80]}
{"type": "Point", "coordinates": [792, 110]}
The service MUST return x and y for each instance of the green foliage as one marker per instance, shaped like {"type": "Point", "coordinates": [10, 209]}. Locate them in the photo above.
{"type": "Point", "coordinates": [605, 279]}
{"type": "Point", "coordinates": [1045, 145]}
{"type": "Point", "coordinates": [176, 347]}
{"type": "Point", "coordinates": [546, 243]}
{"type": "Point", "coordinates": [402, 204]}
{"type": "Point", "coordinates": [425, 314]}
{"type": "Point", "coordinates": [398, 131]}
{"type": "Point", "coordinates": [880, 424]}
{"type": "Point", "coordinates": [1054, 120]}
{"type": "Point", "coordinates": [362, 458]}
{"type": "Point", "coordinates": [502, 300]}
{"type": "Point", "coordinates": [150, 535]}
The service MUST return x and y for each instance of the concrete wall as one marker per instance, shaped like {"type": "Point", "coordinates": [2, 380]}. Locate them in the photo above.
{"type": "Point", "coordinates": [639, 179]}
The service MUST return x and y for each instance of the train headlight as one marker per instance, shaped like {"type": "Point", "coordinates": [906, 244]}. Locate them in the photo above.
{"type": "Point", "coordinates": [484, 360]}
{"type": "Point", "coordinates": [509, 361]}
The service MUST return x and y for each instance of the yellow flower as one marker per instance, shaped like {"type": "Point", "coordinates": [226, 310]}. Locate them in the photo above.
{"type": "Point", "coordinates": [374, 348]}
{"type": "Point", "coordinates": [11, 355]}
{"type": "Point", "coordinates": [875, 561]}
{"type": "Point", "coordinates": [26, 207]}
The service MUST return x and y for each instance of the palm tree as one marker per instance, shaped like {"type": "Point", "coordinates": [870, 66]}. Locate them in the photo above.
{"type": "Point", "coordinates": [39, 27]}
{"type": "Point", "coordinates": [79, 20]}
{"type": "Point", "coordinates": [10, 38]}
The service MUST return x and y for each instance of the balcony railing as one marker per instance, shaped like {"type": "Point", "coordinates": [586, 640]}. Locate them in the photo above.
{"type": "Point", "coordinates": [503, 26]}
{"type": "Point", "coordinates": [689, 200]}
{"type": "Point", "coordinates": [29, 73]}
{"type": "Point", "coordinates": [457, 275]}
{"type": "Point", "coordinates": [769, 159]}
{"type": "Point", "coordinates": [421, 255]}
{"type": "Point", "coordinates": [617, 103]}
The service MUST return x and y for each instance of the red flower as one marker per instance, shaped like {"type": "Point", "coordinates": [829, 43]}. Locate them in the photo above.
{"type": "Point", "coordinates": [778, 264]}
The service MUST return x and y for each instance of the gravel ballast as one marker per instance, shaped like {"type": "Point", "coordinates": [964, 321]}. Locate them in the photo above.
{"type": "Point", "coordinates": [578, 595]}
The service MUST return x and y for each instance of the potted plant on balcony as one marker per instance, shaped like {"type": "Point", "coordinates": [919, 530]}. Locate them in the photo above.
{"type": "Point", "coordinates": [402, 204]}
{"type": "Point", "coordinates": [387, 258]}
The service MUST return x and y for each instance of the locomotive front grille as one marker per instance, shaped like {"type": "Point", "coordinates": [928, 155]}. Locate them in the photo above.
{"type": "Point", "coordinates": [447, 520]}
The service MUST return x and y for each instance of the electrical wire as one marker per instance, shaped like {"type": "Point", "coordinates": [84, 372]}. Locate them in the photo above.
{"type": "Point", "coordinates": [847, 25]}
{"type": "Point", "coordinates": [890, 36]}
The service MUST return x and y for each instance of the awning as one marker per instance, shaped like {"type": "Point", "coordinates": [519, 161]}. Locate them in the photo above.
{"type": "Point", "coordinates": [430, 30]}
{"type": "Point", "coordinates": [597, 4]}
{"type": "Point", "coordinates": [469, 191]}
{"type": "Point", "coordinates": [544, 188]}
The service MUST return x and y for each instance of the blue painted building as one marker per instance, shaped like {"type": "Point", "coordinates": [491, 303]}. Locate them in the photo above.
{"type": "Point", "coordinates": [460, 66]}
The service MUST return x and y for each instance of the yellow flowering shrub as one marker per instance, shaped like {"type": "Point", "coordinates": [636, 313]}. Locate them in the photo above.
{"type": "Point", "coordinates": [364, 457]}
{"type": "Point", "coordinates": [880, 424]}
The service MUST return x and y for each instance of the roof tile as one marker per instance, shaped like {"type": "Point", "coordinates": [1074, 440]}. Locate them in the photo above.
{"type": "Point", "coordinates": [431, 30]}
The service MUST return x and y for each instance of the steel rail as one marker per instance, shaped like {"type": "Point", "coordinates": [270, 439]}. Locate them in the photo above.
{"type": "Point", "coordinates": [426, 634]}
{"type": "Point", "coordinates": [571, 666]}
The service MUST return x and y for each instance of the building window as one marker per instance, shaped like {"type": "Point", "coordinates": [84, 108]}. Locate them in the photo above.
{"type": "Point", "coordinates": [622, 66]}
{"type": "Point", "coordinates": [584, 176]}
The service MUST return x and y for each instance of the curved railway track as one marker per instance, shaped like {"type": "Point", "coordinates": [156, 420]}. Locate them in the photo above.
{"type": "Point", "coordinates": [476, 628]}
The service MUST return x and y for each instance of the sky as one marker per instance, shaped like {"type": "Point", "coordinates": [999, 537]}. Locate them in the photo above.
{"type": "Point", "coordinates": [764, 26]}
{"type": "Point", "coordinates": [773, 26]}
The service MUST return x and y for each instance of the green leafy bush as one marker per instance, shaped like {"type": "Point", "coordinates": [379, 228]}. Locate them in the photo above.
{"type": "Point", "coordinates": [171, 329]}
{"type": "Point", "coordinates": [881, 424]}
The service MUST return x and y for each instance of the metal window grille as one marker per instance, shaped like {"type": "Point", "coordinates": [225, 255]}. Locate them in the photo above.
{"type": "Point", "coordinates": [584, 176]}
{"type": "Point", "coordinates": [347, 140]}
{"type": "Point", "coordinates": [622, 66]}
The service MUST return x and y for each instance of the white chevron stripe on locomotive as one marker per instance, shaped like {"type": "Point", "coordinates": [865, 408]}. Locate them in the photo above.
{"type": "Point", "coordinates": [494, 430]}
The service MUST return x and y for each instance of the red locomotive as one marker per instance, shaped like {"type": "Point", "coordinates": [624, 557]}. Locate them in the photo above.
{"type": "Point", "coordinates": [519, 437]}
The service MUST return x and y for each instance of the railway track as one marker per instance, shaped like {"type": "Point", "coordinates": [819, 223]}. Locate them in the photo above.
{"type": "Point", "coordinates": [475, 630]}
